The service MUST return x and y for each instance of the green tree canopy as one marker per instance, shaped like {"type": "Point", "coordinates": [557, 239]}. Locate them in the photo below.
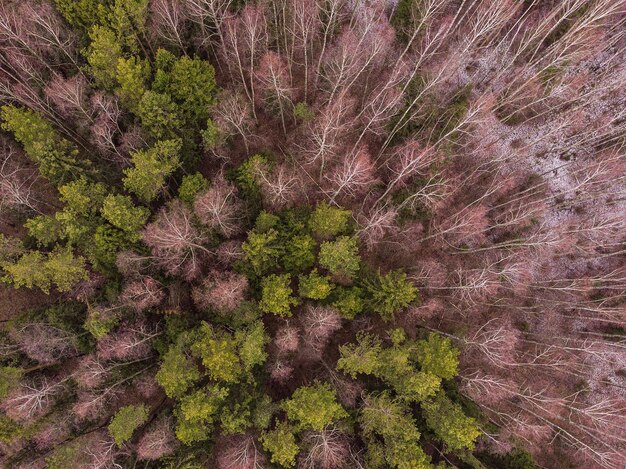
{"type": "Point", "coordinates": [349, 301]}
{"type": "Point", "coordinates": [436, 355]}
{"type": "Point", "coordinates": [390, 293]}
{"type": "Point", "coordinates": [395, 365]}
{"type": "Point", "coordinates": [314, 407]}
{"type": "Point", "coordinates": [159, 115]}
{"type": "Point", "coordinates": [299, 253]}
{"type": "Point", "coordinates": [276, 297]}
{"type": "Point", "coordinates": [197, 413]}
{"type": "Point", "coordinates": [34, 270]}
{"type": "Point", "coordinates": [126, 421]}
{"type": "Point", "coordinates": [262, 251]}
{"type": "Point", "coordinates": [132, 76]}
{"type": "Point", "coordinates": [151, 168]}
{"type": "Point", "coordinates": [314, 286]}
{"type": "Point", "coordinates": [102, 55]}
{"type": "Point", "coordinates": [450, 424]}
{"type": "Point", "coordinates": [191, 84]}
{"type": "Point", "coordinates": [281, 444]}
{"type": "Point", "coordinates": [391, 420]}
{"type": "Point", "coordinates": [120, 212]}
{"type": "Point", "coordinates": [326, 222]}
{"type": "Point", "coordinates": [177, 372]}
{"type": "Point", "coordinates": [10, 377]}
{"type": "Point", "coordinates": [56, 157]}
{"type": "Point", "coordinates": [218, 351]}
{"type": "Point", "coordinates": [191, 186]}
{"type": "Point", "coordinates": [341, 257]}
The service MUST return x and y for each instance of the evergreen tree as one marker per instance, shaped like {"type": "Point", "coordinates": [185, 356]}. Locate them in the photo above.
{"type": "Point", "coordinates": [126, 421]}
{"type": "Point", "coordinates": [276, 295]}
{"type": "Point", "coordinates": [56, 157]}
{"type": "Point", "coordinates": [340, 257]}
{"type": "Point", "coordinates": [314, 407]}
{"type": "Point", "coordinates": [390, 293]}
{"type": "Point", "coordinates": [450, 424]}
{"type": "Point", "coordinates": [281, 444]}
{"type": "Point", "coordinates": [147, 177]}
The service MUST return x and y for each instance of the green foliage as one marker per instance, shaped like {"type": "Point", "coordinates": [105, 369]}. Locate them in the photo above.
{"type": "Point", "coordinates": [262, 251]}
{"type": "Point", "coordinates": [436, 355]}
{"type": "Point", "coordinates": [341, 257]}
{"type": "Point", "coordinates": [120, 212]}
{"type": "Point", "coordinates": [128, 19]}
{"type": "Point", "coordinates": [362, 357]}
{"type": "Point", "coordinates": [132, 75]}
{"type": "Point", "coordinates": [450, 424]}
{"type": "Point", "coordinates": [191, 186]}
{"type": "Point", "coordinates": [314, 286]}
{"type": "Point", "coordinates": [159, 115]}
{"type": "Point", "coordinates": [235, 418]}
{"type": "Point", "coordinates": [10, 377]}
{"type": "Point", "coordinates": [45, 229]}
{"type": "Point", "coordinates": [64, 456]}
{"type": "Point", "coordinates": [516, 459]}
{"type": "Point", "coordinates": [276, 295]}
{"type": "Point", "coordinates": [177, 372]}
{"type": "Point", "coordinates": [78, 219]}
{"type": "Point", "coordinates": [263, 411]}
{"type": "Point", "coordinates": [281, 444]}
{"type": "Point", "coordinates": [28, 271]}
{"type": "Point", "coordinates": [230, 357]}
{"type": "Point", "coordinates": [55, 156]}
{"type": "Point", "coordinates": [64, 269]}
{"type": "Point", "coordinates": [197, 413]}
{"type": "Point", "coordinates": [327, 222]}
{"type": "Point", "coordinates": [9, 430]}
{"type": "Point", "coordinates": [82, 14]}
{"type": "Point", "coordinates": [299, 253]}
{"type": "Point", "coordinates": [265, 221]}
{"type": "Point", "coordinates": [34, 270]}
{"type": "Point", "coordinates": [203, 404]}
{"type": "Point", "coordinates": [218, 351]}
{"type": "Point", "coordinates": [390, 293]}
{"type": "Point", "coordinates": [303, 112]}
{"type": "Point", "coordinates": [314, 407]}
{"type": "Point", "coordinates": [10, 248]}
{"type": "Point", "coordinates": [211, 135]}
{"type": "Point", "coordinates": [82, 197]}
{"type": "Point", "coordinates": [349, 301]}
{"type": "Point", "coordinates": [126, 421]}
{"type": "Point", "coordinates": [248, 175]}
{"type": "Point", "coordinates": [100, 326]}
{"type": "Point", "coordinates": [395, 365]}
{"type": "Point", "coordinates": [251, 344]}
{"type": "Point", "coordinates": [106, 243]}
{"type": "Point", "coordinates": [151, 168]}
{"type": "Point", "coordinates": [102, 55]}
{"type": "Point", "coordinates": [67, 315]}
{"type": "Point", "coordinates": [190, 83]}
{"type": "Point", "coordinates": [406, 17]}
{"type": "Point", "coordinates": [390, 419]}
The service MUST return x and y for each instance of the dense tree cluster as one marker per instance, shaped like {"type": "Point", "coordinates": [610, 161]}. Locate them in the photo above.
{"type": "Point", "coordinates": [312, 233]}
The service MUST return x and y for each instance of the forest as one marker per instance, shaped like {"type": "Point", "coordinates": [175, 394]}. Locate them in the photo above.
{"type": "Point", "coordinates": [312, 234]}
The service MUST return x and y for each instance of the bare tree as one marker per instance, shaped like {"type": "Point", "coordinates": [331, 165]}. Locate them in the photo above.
{"type": "Point", "coordinates": [169, 18]}
{"type": "Point", "coordinates": [222, 291]}
{"type": "Point", "coordinates": [142, 294]}
{"type": "Point", "coordinates": [240, 452]}
{"type": "Point", "coordinates": [274, 89]}
{"type": "Point", "coordinates": [220, 209]}
{"type": "Point", "coordinates": [175, 242]}
{"type": "Point", "coordinates": [157, 441]}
